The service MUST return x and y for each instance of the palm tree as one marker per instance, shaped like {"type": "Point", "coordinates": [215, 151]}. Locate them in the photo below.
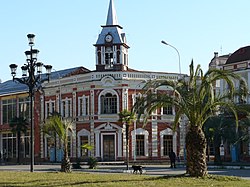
{"type": "Point", "coordinates": [194, 97]}
{"type": "Point", "coordinates": [62, 128]}
{"type": "Point", "coordinates": [19, 125]}
{"type": "Point", "coordinates": [127, 118]}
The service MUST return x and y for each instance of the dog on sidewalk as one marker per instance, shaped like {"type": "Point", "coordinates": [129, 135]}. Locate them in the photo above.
{"type": "Point", "coordinates": [137, 169]}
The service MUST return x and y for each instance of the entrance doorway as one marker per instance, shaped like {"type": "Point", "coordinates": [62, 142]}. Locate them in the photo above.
{"type": "Point", "coordinates": [108, 147]}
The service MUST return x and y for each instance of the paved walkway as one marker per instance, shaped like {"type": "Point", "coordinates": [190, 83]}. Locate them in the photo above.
{"type": "Point", "coordinates": [153, 170]}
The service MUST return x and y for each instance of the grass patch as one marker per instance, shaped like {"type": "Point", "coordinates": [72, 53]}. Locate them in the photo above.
{"type": "Point", "coordinates": [9, 178]}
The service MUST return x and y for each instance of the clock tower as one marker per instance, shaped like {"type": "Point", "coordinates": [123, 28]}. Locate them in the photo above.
{"type": "Point", "coordinates": [111, 46]}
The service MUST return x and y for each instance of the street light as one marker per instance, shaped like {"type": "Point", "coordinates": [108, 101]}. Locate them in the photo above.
{"type": "Point", "coordinates": [33, 81]}
{"type": "Point", "coordinates": [179, 58]}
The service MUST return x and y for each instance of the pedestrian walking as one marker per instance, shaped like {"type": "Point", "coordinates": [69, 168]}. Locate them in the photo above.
{"type": "Point", "coordinates": [172, 157]}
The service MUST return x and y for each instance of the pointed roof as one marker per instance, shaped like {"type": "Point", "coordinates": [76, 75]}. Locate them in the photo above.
{"type": "Point", "coordinates": [112, 18]}
{"type": "Point", "coordinates": [112, 27]}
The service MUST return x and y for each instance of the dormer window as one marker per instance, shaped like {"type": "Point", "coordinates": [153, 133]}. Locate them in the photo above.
{"type": "Point", "coordinates": [109, 57]}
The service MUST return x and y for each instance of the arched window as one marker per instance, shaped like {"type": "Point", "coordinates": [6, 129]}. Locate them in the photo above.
{"type": "Point", "coordinates": [108, 104]}
{"type": "Point", "coordinates": [168, 141]}
{"type": "Point", "coordinates": [83, 137]}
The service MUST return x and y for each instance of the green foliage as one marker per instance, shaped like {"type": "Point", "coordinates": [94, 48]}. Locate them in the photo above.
{"type": "Point", "coordinates": [192, 96]}
{"type": "Point", "coordinates": [19, 125]}
{"type": "Point", "coordinates": [224, 127]}
{"type": "Point", "coordinates": [126, 117]}
{"type": "Point", "coordinates": [62, 127]}
{"type": "Point", "coordinates": [87, 146]}
{"type": "Point", "coordinates": [92, 162]}
{"type": "Point", "coordinates": [195, 98]}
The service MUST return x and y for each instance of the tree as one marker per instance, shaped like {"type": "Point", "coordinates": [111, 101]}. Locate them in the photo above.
{"type": "Point", "coordinates": [217, 128]}
{"type": "Point", "coordinates": [19, 125]}
{"type": "Point", "coordinates": [127, 118]}
{"type": "Point", "coordinates": [62, 127]}
{"type": "Point", "coordinates": [224, 127]}
{"type": "Point", "coordinates": [194, 97]}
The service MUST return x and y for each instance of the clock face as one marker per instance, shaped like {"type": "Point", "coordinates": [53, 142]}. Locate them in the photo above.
{"type": "Point", "coordinates": [108, 38]}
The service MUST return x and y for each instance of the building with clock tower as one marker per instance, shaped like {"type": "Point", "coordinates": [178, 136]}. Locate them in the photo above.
{"type": "Point", "coordinates": [92, 99]}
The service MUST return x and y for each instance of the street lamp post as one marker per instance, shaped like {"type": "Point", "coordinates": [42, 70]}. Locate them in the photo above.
{"type": "Point", "coordinates": [32, 78]}
{"type": "Point", "coordinates": [59, 109]}
{"type": "Point", "coordinates": [179, 58]}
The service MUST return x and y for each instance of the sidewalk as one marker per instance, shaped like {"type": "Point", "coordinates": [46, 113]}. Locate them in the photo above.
{"type": "Point", "coordinates": [152, 170]}
{"type": "Point", "coordinates": [147, 169]}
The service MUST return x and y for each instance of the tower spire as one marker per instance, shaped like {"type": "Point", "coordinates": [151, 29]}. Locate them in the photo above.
{"type": "Point", "coordinates": [111, 45]}
{"type": "Point", "coordinates": [112, 18]}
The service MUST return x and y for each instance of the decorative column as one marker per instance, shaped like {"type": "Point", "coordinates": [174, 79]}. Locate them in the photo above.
{"type": "Point", "coordinates": [154, 139]}
{"type": "Point", "coordinates": [97, 144]}
{"type": "Point", "coordinates": [119, 143]}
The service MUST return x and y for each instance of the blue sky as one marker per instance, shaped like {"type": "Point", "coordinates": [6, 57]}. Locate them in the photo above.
{"type": "Point", "coordinates": [67, 29]}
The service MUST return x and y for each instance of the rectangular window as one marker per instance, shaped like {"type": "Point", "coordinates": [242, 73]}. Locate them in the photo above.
{"type": "Point", "coordinates": [167, 144]}
{"type": "Point", "coordinates": [50, 108]}
{"type": "Point", "coordinates": [69, 111]}
{"type": "Point", "coordinates": [125, 59]}
{"type": "Point", "coordinates": [140, 145]}
{"type": "Point", "coordinates": [26, 152]}
{"type": "Point", "coordinates": [9, 108]}
{"type": "Point", "coordinates": [63, 109]}
{"type": "Point", "coordinates": [109, 57]}
{"type": "Point", "coordinates": [86, 106]}
{"type": "Point", "coordinates": [80, 107]}
{"type": "Point", "coordinates": [168, 110]}
{"type": "Point", "coordinates": [83, 106]}
{"type": "Point", "coordinates": [66, 108]}
{"type": "Point", "coordinates": [24, 107]}
{"type": "Point", "coordinates": [9, 146]}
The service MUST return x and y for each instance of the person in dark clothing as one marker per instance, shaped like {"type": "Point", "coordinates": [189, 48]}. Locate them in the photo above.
{"type": "Point", "coordinates": [172, 157]}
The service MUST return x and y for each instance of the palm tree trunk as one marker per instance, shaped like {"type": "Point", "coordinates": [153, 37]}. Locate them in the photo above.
{"type": "Point", "coordinates": [18, 147]}
{"type": "Point", "coordinates": [66, 165]}
{"type": "Point", "coordinates": [196, 152]}
{"type": "Point", "coordinates": [127, 145]}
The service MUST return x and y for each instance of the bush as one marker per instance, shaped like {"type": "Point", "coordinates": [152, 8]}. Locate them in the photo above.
{"type": "Point", "coordinates": [92, 162]}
